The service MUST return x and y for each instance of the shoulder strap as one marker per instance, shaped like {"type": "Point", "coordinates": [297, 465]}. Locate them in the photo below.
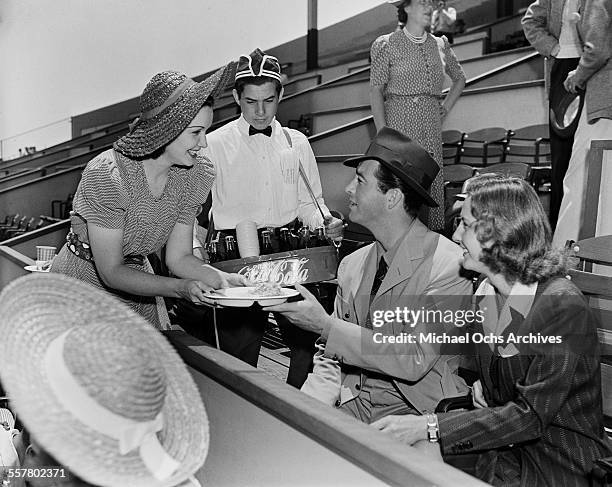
{"type": "Point", "coordinates": [303, 174]}
{"type": "Point", "coordinates": [288, 137]}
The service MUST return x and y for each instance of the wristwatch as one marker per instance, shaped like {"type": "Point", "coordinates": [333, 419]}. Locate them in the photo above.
{"type": "Point", "coordinates": [433, 430]}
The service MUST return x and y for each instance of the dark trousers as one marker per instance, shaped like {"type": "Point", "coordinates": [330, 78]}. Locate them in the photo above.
{"type": "Point", "coordinates": [560, 148]}
{"type": "Point", "coordinates": [241, 331]}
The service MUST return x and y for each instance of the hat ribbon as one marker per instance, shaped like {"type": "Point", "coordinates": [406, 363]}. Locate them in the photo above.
{"type": "Point", "coordinates": [180, 89]}
{"type": "Point", "coordinates": [129, 433]}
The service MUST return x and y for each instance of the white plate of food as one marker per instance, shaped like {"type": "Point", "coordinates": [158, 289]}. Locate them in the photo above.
{"type": "Point", "coordinates": [33, 268]}
{"type": "Point", "coordinates": [265, 293]}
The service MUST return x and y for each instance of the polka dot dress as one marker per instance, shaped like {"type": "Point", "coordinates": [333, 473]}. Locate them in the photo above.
{"type": "Point", "coordinates": [413, 76]}
{"type": "Point", "coordinates": [114, 194]}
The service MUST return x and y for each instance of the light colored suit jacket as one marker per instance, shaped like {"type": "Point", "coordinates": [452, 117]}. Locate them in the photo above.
{"type": "Point", "coordinates": [542, 26]}
{"type": "Point", "coordinates": [426, 265]}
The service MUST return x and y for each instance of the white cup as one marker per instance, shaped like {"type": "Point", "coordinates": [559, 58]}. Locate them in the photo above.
{"type": "Point", "coordinates": [45, 252]}
{"type": "Point", "coordinates": [44, 255]}
{"type": "Point", "coordinates": [248, 241]}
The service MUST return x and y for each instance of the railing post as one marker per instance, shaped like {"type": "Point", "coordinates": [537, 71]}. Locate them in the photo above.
{"type": "Point", "coordinates": [312, 38]}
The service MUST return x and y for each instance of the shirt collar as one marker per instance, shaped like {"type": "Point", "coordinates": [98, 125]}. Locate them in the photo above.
{"type": "Point", "coordinates": [243, 126]}
{"type": "Point", "coordinates": [390, 253]}
{"type": "Point", "coordinates": [520, 300]}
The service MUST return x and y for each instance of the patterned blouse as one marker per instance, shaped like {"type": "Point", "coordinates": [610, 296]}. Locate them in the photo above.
{"type": "Point", "coordinates": [114, 193]}
{"type": "Point", "coordinates": [407, 68]}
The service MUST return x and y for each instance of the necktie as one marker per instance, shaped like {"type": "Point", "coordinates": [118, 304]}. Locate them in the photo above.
{"type": "Point", "coordinates": [381, 272]}
{"type": "Point", "coordinates": [267, 131]}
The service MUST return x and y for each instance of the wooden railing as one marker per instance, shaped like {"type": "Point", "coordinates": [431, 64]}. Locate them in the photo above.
{"type": "Point", "coordinates": [264, 432]}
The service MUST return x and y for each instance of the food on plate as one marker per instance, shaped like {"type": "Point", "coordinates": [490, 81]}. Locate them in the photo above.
{"type": "Point", "coordinates": [267, 289]}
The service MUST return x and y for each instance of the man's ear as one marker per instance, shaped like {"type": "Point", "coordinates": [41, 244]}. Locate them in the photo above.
{"type": "Point", "coordinates": [236, 96]}
{"type": "Point", "coordinates": [280, 95]}
{"type": "Point", "coordinates": [394, 197]}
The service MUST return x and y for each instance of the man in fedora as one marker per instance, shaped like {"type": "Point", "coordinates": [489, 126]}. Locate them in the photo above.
{"type": "Point", "coordinates": [257, 164]}
{"type": "Point", "coordinates": [357, 367]}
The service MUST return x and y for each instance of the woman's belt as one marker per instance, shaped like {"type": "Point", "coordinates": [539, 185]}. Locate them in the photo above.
{"type": "Point", "coordinates": [416, 96]}
{"type": "Point", "coordinates": [83, 251]}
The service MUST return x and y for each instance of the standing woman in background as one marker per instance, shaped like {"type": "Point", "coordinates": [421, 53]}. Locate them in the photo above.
{"type": "Point", "coordinates": [144, 194]}
{"type": "Point", "coordinates": [406, 80]}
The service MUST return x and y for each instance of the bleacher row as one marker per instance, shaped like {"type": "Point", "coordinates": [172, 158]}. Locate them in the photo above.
{"type": "Point", "coordinates": [486, 146]}
{"type": "Point", "coordinates": [15, 225]}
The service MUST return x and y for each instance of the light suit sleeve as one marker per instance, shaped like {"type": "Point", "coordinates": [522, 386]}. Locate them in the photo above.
{"type": "Point", "coordinates": [535, 27]}
{"type": "Point", "coordinates": [597, 39]}
{"type": "Point", "coordinates": [366, 348]}
{"type": "Point", "coordinates": [326, 377]}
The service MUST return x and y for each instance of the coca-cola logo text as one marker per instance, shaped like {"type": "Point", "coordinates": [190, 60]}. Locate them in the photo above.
{"type": "Point", "coordinates": [285, 272]}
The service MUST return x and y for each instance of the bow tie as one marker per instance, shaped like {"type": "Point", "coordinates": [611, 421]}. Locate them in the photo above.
{"type": "Point", "coordinates": [267, 131]}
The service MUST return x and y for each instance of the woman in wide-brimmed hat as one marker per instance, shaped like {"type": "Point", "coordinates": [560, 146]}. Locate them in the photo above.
{"type": "Point", "coordinates": [103, 395]}
{"type": "Point", "coordinates": [144, 194]}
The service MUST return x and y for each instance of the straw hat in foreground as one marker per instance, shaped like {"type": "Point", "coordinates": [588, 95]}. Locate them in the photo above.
{"type": "Point", "coordinates": [97, 387]}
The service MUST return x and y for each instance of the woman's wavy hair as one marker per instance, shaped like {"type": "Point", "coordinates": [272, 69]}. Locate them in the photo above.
{"type": "Point", "coordinates": [514, 231]}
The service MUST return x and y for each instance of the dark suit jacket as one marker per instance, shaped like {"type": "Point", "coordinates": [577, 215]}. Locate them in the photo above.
{"type": "Point", "coordinates": [544, 421]}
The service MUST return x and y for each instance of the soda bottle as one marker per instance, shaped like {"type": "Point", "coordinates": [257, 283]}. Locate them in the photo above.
{"type": "Point", "coordinates": [321, 238]}
{"type": "Point", "coordinates": [304, 242]}
{"type": "Point", "coordinates": [230, 248]}
{"type": "Point", "coordinates": [266, 247]}
{"type": "Point", "coordinates": [285, 244]}
{"type": "Point", "coordinates": [213, 252]}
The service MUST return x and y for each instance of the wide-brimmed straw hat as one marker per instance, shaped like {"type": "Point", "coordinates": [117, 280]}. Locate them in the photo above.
{"type": "Point", "coordinates": [98, 387]}
{"type": "Point", "coordinates": [405, 158]}
{"type": "Point", "coordinates": [168, 104]}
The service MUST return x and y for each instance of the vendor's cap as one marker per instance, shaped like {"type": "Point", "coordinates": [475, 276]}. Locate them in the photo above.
{"type": "Point", "coordinates": [168, 104]}
{"type": "Point", "coordinates": [256, 64]}
{"type": "Point", "coordinates": [99, 388]}
{"type": "Point", "coordinates": [403, 157]}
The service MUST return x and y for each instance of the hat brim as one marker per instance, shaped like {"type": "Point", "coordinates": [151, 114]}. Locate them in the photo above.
{"type": "Point", "coordinates": [558, 115]}
{"type": "Point", "coordinates": [149, 135]}
{"type": "Point", "coordinates": [413, 183]}
{"type": "Point", "coordinates": [36, 309]}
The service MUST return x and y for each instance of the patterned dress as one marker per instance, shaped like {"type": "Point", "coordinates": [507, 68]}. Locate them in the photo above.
{"type": "Point", "coordinates": [114, 193]}
{"type": "Point", "coordinates": [413, 76]}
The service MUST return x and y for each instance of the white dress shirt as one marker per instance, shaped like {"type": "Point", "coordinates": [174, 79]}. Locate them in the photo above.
{"type": "Point", "coordinates": [569, 41]}
{"type": "Point", "coordinates": [257, 177]}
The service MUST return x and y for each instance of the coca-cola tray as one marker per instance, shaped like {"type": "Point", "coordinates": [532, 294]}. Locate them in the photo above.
{"type": "Point", "coordinates": [287, 268]}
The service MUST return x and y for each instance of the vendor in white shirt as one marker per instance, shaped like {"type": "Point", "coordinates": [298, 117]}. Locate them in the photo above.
{"type": "Point", "coordinates": [257, 178]}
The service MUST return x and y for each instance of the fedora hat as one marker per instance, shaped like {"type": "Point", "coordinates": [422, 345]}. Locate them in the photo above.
{"type": "Point", "coordinates": [565, 113]}
{"type": "Point", "coordinates": [168, 104]}
{"type": "Point", "coordinates": [97, 387]}
{"type": "Point", "coordinates": [403, 157]}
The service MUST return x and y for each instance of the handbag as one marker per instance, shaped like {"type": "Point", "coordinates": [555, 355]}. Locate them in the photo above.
{"type": "Point", "coordinates": [8, 453]}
